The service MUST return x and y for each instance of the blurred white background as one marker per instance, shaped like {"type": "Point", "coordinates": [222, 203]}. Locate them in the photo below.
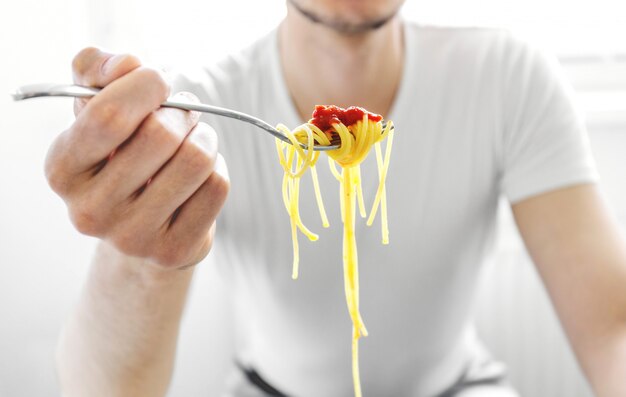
{"type": "Point", "coordinates": [43, 260]}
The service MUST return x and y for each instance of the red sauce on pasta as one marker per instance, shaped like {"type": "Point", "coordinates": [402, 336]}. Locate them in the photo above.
{"type": "Point", "coordinates": [325, 116]}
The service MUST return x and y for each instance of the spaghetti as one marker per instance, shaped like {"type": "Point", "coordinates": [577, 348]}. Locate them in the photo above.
{"type": "Point", "coordinates": [356, 131]}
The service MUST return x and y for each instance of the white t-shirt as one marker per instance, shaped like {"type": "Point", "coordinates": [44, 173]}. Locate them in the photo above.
{"type": "Point", "coordinates": [479, 114]}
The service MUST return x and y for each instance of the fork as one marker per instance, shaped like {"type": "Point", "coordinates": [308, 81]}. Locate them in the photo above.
{"type": "Point", "coordinates": [78, 91]}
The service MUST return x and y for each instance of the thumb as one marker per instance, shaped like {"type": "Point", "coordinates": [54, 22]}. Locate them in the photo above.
{"type": "Point", "coordinates": [96, 68]}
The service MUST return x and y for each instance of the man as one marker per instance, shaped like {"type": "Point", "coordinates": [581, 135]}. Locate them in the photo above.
{"type": "Point", "coordinates": [477, 114]}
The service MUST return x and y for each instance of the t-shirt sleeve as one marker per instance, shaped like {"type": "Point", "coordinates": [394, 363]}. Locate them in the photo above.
{"type": "Point", "coordinates": [545, 144]}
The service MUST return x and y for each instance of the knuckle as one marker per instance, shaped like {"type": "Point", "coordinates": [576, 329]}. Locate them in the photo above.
{"type": "Point", "coordinates": [202, 250]}
{"type": "Point", "coordinates": [156, 81]}
{"type": "Point", "coordinates": [219, 186]}
{"type": "Point", "coordinates": [119, 65]}
{"type": "Point", "coordinates": [126, 241]}
{"type": "Point", "coordinates": [200, 149]}
{"type": "Point", "coordinates": [131, 236]}
{"type": "Point", "coordinates": [219, 181]}
{"type": "Point", "coordinates": [158, 127]}
{"type": "Point", "coordinates": [170, 256]}
{"type": "Point", "coordinates": [197, 160]}
{"type": "Point", "coordinates": [180, 251]}
{"type": "Point", "coordinates": [155, 132]}
{"type": "Point", "coordinates": [86, 218]}
{"type": "Point", "coordinates": [106, 117]}
{"type": "Point", "coordinates": [57, 178]}
{"type": "Point", "coordinates": [55, 168]}
{"type": "Point", "coordinates": [207, 133]}
{"type": "Point", "coordinates": [83, 60]}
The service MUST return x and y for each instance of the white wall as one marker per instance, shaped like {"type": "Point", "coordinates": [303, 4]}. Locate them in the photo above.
{"type": "Point", "coordinates": [43, 260]}
{"type": "Point", "coordinates": [39, 253]}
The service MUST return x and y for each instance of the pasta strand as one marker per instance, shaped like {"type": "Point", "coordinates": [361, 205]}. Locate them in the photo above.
{"type": "Point", "coordinates": [356, 141]}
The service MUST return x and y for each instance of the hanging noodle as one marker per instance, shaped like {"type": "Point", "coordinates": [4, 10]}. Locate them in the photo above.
{"type": "Point", "coordinates": [356, 131]}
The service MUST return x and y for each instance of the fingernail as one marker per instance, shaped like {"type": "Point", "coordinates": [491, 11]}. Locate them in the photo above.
{"type": "Point", "coordinates": [187, 95]}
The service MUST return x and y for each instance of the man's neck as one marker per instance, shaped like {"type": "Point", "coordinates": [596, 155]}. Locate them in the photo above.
{"type": "Point", "coordinates": [323, 66]}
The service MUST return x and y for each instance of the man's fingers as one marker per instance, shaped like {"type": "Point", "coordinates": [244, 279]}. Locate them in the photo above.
{"type": "Point", "coordinates": [201, 209]}
{"type": "Point", "coordinates": [111, 117]}
{"type": "Point", "coordinates": [95, 68]}
{"type": "Point", "coordinates": [148, 150]}
{"type": "Point", "coordinates": [170, 219]}
{"type": "Point", "coordinates": [114, 189]}
{"type": "Point", "coordinates": [192, 164]}
{"type": "Point", "coordinates": [189, 236]}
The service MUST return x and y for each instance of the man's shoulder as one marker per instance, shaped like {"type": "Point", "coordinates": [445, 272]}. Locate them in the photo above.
{"type": "Point", "coordinates": [468, 49]}
{"type": "Point", "coordinates": [242, 62]}
{"type": "Point", "coordinates": [457, 32]}
{"type": "Point", "coordinates": [444, 37]}
{"type": "Point", "coordinates": [239, 67]}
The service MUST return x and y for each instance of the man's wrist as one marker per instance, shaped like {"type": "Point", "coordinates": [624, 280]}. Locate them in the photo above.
{"type": "Point", "coordinates": [112, 263]}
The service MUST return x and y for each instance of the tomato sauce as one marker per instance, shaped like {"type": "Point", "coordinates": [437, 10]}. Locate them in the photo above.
{"type": "Point", "coordinates": [325, 116]}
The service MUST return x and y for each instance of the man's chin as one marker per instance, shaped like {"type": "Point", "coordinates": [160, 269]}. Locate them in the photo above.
{"type": "Point", "coordinates": [343, 26]}
{"type": "Point", "coordinates": [351, 28]}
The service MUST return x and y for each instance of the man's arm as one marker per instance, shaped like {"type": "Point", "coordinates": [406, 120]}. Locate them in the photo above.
{"type": "Point", "coordinates": [580, 253]}
{"type": "Point", "coordinates": [149, 183]}
{"type": "Point", "coordinates": [121, 337]}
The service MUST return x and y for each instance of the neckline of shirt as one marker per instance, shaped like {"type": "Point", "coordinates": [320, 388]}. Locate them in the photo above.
{"type": "Point", "coordinates": [409, 71]}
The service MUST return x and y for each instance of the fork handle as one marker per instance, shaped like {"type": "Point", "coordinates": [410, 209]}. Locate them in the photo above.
{"type": "Point", "coordinates": [79, 91]}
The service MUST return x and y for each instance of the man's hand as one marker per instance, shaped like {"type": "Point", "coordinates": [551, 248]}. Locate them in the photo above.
{"type": "Point", "coordinates": [148, 180]}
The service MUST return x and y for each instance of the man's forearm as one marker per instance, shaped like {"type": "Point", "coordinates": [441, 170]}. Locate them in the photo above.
{"type": "Point", "coordinates": [580, 253]}
{"type": "Point", "coordinates": [121, 339]}
{"type": "Point", "coordinates": [605, 364]}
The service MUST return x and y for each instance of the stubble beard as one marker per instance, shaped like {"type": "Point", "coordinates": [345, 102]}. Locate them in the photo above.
{"type": "Point", "coordinates": [341, 26]}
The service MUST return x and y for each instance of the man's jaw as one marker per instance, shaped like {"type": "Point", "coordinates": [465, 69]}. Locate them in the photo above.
{"type": "Point", "coordinates": [340, 26]}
